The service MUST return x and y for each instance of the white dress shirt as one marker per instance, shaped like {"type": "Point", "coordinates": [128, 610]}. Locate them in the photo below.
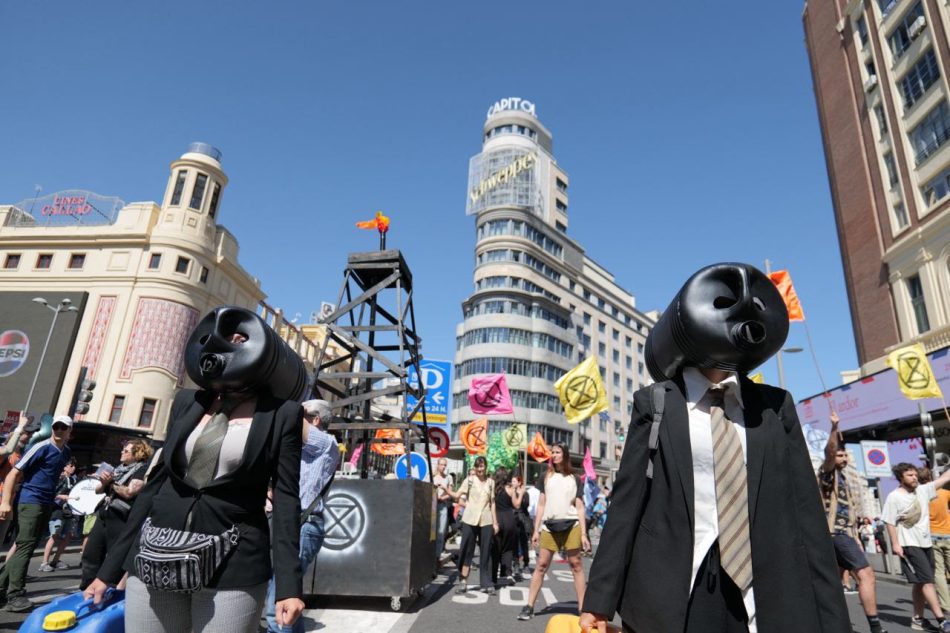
{"type": "Point", "coordinates": [705, 515]}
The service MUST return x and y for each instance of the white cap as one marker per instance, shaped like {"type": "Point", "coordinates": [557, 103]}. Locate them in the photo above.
{"type": "Point", "coordinates": [63, 419]}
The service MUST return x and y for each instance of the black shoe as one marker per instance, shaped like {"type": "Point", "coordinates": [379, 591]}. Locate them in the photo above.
{"type": "Point", "coordinates": [526, 613]}
{"type": "Point", "coordinates": [19, 604]}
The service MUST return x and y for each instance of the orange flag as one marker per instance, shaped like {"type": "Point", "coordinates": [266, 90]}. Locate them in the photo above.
{"type": "Point", "coordinates": [380, 222]}
{"type": "Point", "coordinates": [388, 448]}
{"type": "Point", "coordinates": [783, 281]}
{"type": "Point", "coordinates": [474, 436]}
{"type": "Point", "coordinates": [538, 449]}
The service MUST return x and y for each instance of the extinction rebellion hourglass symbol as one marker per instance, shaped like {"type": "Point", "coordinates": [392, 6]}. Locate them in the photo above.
{"type": "Point", "coordinates": [582, 392]}
{"type": "Point", "coordinates": [913, 373]}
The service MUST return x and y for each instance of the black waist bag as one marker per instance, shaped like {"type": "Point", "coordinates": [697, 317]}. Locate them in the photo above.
{"type": "Point", "coordinates": [180, 561]}
{"type": "Point", "coordinates": [559, 525]}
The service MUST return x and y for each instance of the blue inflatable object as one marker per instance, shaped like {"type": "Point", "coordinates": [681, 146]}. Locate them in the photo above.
{"type": "Point", "coordinates": [72, 613]}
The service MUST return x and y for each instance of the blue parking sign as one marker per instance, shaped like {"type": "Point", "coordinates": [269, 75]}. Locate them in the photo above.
{"type": "Point", "coordinates": [436, 376]}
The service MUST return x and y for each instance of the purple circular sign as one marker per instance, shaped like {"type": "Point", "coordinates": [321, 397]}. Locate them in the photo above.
{"type": "Point", "coordinates": [876, 456]}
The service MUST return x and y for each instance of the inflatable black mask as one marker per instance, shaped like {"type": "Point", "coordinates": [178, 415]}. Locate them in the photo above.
{"type": "Point", "coordinates": [263, 362]}
{"type": "Point", "coordinates": [727, 316]}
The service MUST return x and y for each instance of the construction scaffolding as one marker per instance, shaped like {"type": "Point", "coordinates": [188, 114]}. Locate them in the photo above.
{"type": "Point", "coordinates": [374, 324]}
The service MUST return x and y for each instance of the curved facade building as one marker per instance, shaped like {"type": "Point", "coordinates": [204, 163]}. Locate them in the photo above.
{"type": "Point", "coordinates": [540, 305]}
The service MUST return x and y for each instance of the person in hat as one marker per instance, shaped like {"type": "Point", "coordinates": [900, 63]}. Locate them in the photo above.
{"type": "Point", "coordinates": [39, 470]}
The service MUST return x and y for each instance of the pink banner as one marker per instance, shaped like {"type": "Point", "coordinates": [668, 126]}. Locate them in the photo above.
{"type": "Point", "coordinates": [489, 394]}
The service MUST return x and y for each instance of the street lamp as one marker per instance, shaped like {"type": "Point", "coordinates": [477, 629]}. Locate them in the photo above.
{"type": "Point", "coordinates": [64, 306]}
{"type": "Point", "coordinates": [781, 367]}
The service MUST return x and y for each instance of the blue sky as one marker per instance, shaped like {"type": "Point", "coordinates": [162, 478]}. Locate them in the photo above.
{"type": "Point", "coordinates": [689, 132]}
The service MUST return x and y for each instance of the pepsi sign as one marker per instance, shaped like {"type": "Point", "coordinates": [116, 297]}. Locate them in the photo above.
{"type": "Point", "coordinates": [14, 350]}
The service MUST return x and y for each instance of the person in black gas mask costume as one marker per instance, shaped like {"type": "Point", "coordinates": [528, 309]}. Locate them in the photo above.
{"type": "Point", "coordinates": [716, 524]}
{"type": "Point", "coordinates": [197, 546]}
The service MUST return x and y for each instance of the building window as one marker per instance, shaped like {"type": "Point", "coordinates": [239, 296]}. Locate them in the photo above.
{"type": "Point", "coordinates": [115, 414]}
{"type": "Point", "coordinates": [900, 39]}
{"type": "Point", "coordinates": [900, 215]}
{"type": "Point", "coordinates": [931, 133]}
{"type": "Point", "coordinates": [640, 368]}
{"type": "Point", "coordinates": [560, 227]}
{"type": "Point", "coordinates": [628, 363]}
{"type": "Point", "coordinates": [881, 119]}
{"type": "Point", "coordinates": [616, 357]}
{"type": "Point", "coordinates": [215, 196]}
{"type": "Point", "coordinates": [919, 78]}
{"type": "Point", "coordinates": [938, 188]}
{"type": "Point", "coordinates": [616, 379]}
{"type": "Point", "coordinates": [561, 185]}
{"type": "Point", "coordinates": [602, 328]}
{"type": "Point", "coordinates": [603, 450]}
{"type": "Point", "coordinates": [148, 412]}
{"type": "Point", "coordinates": [916, 291]}
{"type": "Point", "coordinates": [12, 261]}
{"type": "Point", "coordinates": [616, 335]}
{"type": "Point", "coordinates": [198, 193]}
{"type": "Point", "coordinates": [44, 261]}
{"type": "Point", "coordinates": [586, 319]}
{"type": "Point", "coordinates": [560, 206]}
{"type": "Point", "coordinates": [891, 169]}
{"type": "Point", "coordinates": [862, 27]}
{"type": "Point", "coordinates": [886, 6]}
{"type": "Point", "coordinates": [77, 261]}
{"type": "Point", "coordinates": [204, 275]}
{"type": "Point", "coordinates": [601, 350]}
{"type": "Point", "coordinates": [179, 188]}
{"type": "Point", "coordinates": [617, 403]}
{"type": "Point", "coordinates": [630, 385]}
{"type": "Point", "coordinates": [181, 266]}
{"type": "Point", "coordinates": [154, 261]}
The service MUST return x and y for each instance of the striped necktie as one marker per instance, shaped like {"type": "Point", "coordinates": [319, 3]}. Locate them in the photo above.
{"type": "Point", "coordinates": [732, 495]}
{"type": "Point", "coordinates": [203, 464]}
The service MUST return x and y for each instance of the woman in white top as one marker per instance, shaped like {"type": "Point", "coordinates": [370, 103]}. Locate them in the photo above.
{"type": "Point", "coordinates": [558, 525]}
{"type": "Point", "coordinates": [479, 522]}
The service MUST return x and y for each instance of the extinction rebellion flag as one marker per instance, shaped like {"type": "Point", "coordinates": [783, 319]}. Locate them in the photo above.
{"type": "Point", "coordinates": [489, 395]}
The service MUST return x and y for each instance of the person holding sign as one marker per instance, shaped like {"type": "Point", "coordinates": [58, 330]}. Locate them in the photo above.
{"type": "Point", "coordinates": [842, 524]}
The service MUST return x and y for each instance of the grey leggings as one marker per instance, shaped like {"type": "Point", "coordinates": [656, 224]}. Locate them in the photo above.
{"type": "Point", "coordinates": [207, 611]}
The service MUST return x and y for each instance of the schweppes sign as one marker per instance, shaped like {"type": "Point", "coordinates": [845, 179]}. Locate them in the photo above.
{"type": "Point", "coordinates": [503, 175]}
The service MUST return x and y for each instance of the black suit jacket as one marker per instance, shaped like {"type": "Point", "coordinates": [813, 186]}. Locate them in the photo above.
{"type": "Point", "coordinates": [644, 562]}
{"type": "Point", "coordinates": [272, 453]}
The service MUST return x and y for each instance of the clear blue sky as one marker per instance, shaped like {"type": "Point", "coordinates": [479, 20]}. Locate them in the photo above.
{"type": "Point", "coordinates": [689, 132]}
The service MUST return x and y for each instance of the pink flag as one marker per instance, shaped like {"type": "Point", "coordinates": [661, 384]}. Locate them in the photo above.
{"type": "Point", "coordinates": [489, 394]}
{"type": "Point", "coordinates": [355, 457]}
{"type": "Point", "coordinates": [589, 471]}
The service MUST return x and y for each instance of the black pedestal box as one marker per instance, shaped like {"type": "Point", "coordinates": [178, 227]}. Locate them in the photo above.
{"type": "Point", "coordinates": [380, 540]}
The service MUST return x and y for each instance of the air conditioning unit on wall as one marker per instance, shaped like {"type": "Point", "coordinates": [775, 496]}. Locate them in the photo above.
{"type": "Point", "coordinates": [917, 27]}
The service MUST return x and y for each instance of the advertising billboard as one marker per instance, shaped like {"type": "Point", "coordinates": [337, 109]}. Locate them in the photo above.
{"type": "Point", "coordinates": [506, 177]}
{"type": "Point", "coordinates": [24, 327]}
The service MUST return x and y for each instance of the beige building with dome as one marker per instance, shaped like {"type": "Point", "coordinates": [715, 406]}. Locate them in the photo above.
{"type": "Point", "coordinates": [144, 273]}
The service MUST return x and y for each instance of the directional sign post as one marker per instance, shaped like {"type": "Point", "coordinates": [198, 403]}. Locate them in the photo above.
{"type": "Point", "coordinates": [436, 381]}
{"type": "Point", "coordinates": [412, 466]}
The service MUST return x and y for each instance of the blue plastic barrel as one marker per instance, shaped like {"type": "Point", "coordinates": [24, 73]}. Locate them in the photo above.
{"type": "Point", "coordinates": [109, 617]}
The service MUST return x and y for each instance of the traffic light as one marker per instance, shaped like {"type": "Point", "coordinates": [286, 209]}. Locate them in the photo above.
{"type": "Point", "coordinates": [82, 394]}
{"type": "Point", "coordinates": [928, 435]}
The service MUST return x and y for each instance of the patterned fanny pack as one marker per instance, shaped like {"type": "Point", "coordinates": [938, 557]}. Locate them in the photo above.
{"type": "Point", "coordinates": [180, 561]}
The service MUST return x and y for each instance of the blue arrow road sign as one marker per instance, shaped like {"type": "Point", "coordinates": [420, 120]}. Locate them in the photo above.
{"type": "Point", "coordinates": [436, 376]}
{"type": "Point", "coordinates": [413, 465]}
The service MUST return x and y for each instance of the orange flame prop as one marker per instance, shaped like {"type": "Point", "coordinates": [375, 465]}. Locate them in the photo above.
{"type": "Point", "coordinates": [783, 281]}
{"type": "Point", "coordinates": [474, 436]}
{"type": "Point", "coordinates": [380, 223]}
{"type": "Point", "coordinates": [538, 449]}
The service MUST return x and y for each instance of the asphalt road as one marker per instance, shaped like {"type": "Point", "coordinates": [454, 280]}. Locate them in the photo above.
{"type": "Point", "coordinates": [440, 610]}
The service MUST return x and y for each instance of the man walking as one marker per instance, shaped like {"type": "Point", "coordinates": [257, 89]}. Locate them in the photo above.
{"type": "Point", "coordinates": [39, 470]}
{"type": "Point", "coordinates": [839, 512]}
{"type": "Point", "coordinates": [318, 461]}
{"type": "Point", "coordinates": [443, 487]}
{"type": "Point", "coordinates": [907, 515]}
{"type": "Point", "coordinates": [10, 454]}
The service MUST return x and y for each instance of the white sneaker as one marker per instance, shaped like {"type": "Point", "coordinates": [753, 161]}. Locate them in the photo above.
{"type": "Point", "coordinates": [46, 567]}
{"type": "Point", "coordinates": [61, 565]}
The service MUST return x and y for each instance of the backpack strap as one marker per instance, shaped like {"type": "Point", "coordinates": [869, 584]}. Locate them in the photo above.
{"type": "Point", "coordinates": [658, 393]}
